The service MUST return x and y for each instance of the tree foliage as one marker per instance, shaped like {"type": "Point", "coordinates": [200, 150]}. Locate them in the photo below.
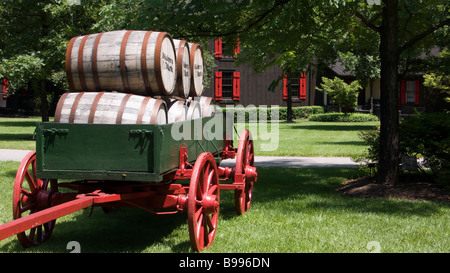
{"type": "Point", "coordinates": [343, 94]}
{"type": "Point", "coordinates": [293, 34]}
{"type": "Point", "coordinates": [34, 40]}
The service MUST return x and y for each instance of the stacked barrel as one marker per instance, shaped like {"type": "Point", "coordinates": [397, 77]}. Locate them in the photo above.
{"type": "Point", "coordinates": [133, 77]}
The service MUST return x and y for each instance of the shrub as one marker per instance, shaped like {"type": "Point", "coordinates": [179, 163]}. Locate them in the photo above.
{"type": "Point", "coordinates": [255, 112]}
{"type": "Point", "coordinates": [428, 135]}
{"type": "Point", "coordinates": [370, 157]}
{"type": "Point", "coordinates": [422, 135]}
{"type": "Point", "coordinates": [341, 117]}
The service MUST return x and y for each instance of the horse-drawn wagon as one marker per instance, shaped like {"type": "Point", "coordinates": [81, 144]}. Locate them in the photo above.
{"type": "Point", "coordinates": [145, 163]}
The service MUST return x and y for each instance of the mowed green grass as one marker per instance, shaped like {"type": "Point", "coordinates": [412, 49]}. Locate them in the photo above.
{"type": "Point", "coordinates": [307, 138]}
{"type": "Point", "coordinates": [301, 138]}
{"type": "Point", "coordinates": [17, 133]}
{"type": "Point", "coordinates": [294, 210]}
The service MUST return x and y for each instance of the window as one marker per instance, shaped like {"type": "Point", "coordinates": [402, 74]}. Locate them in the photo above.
{"type": "Point", "coordinates": [220, 47]}
{"type": "Point", "coordinates": [409, 92]}
{"type": "Point", "coordinates": [227, 85]}
{"type": "Point", "coordinates": [298, 86]}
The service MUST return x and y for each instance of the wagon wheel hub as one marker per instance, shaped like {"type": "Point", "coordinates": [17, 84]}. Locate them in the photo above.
{"type": "Point", "coordinates": [210, 205]}
{"type": "Point", "coordinates": [250, 173]}
{"type": "Point", "coordinates": [42, 200]}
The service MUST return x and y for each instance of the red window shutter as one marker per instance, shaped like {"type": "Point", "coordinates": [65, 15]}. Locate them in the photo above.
{"type": "Point", "coordinates": [4, 82]}
{"type": "Point", "coordinates": [302, 86]}
{"type": "Point", "coordinates": [237, 48]}
{"type": "Point", "coordinates": [417, 92]}
{"type": "Point", "coordinates": [218, 48]}
{"type": "Point", "coordinates": [285, 87]}
{"type": "Point", "coordinates": [403, 92]}
{"type": "Point", "coordinates": [236, 85]}
{"type": "Point", "coordinates": [218, 85]}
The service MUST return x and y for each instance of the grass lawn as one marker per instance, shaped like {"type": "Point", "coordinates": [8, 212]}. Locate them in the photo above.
{"type": "Point", "coordinates": [17, 133]}
{"type": "Point", "coordinates": [307, 138]}
{"type": "Point", "coordinates": [302, 138]}
{"type": "Point", "coordinates": [294, 210]}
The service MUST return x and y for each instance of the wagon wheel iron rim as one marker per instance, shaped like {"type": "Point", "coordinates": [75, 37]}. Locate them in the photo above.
{"type": "Point", "coordinates": [27, 199]}
{"type": "Point", "coordinates": [203, 202]}
{"type": "Point", "coordinates": [245, 163]}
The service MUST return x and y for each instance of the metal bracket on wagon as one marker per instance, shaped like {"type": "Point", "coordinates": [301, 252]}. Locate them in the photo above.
{"type": "Point", "coordinates": [54, 131]}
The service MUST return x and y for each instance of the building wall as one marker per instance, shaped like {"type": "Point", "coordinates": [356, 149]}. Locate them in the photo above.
{"type": "Point", "coordinates": [2, 102]}
{"type": "Point", "coordinates": [254, 86]}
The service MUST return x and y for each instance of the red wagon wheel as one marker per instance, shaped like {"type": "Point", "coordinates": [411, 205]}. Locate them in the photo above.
{"type": "Point", "coordinates": [245, 172]}
{"type": "Point", "coordinates": [31, 197]}
{"type": "Point", "coordinates": [203, 202]}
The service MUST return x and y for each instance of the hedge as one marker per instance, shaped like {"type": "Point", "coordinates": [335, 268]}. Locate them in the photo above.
{"type": "Point", "coordinates": [254, 113]}
{"type": "Point", "coordinates": [343, 117]}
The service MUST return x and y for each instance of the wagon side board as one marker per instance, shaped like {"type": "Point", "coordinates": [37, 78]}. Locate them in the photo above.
{"type": "Point", "coordinates": [133, 152]}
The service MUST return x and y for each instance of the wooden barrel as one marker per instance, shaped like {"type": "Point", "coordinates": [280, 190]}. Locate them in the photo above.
{"type": "Point", "coordinates": [193, 110]}
{"type": "Point", "coordinates": [139, 62]}
{"type": "Point", "coordinates": [197, 66]}
{"type": "Point", "coordinates": [207, 106]}
{"type": "Point", "coordinates": [110, 108]}
{"type": "Point", "coordinates": [183, 69]}
{"type": "Point", "coordinates": [177, 110]}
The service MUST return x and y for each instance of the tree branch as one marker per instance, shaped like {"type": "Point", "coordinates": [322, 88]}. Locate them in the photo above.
{"type": "Point", "coordinates": [422, 35]}
{"type": "Point", "coordinates": [247, 27]}
{"type": "Point", "coordinates": [366, 22]}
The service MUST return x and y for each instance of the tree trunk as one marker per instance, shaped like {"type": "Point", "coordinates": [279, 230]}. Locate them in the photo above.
{"type": "Point", "coordinates": [389, 118]}
{"type": "Point", "coordinates": [371, 96]}
{"type": "Point", "coordinates": [44, 102]}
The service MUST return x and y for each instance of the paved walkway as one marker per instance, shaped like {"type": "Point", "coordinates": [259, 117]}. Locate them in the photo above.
{"type": "Point", "coordinates": [12, 155]}
{"type": "Point", "coordinates": [260, 161]}
{"type": "Point", "coordinates": [297, 162]}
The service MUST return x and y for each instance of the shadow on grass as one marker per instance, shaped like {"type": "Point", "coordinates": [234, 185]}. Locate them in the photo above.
{"type": "Point", "coordinates": [124, 230]}
{"type": "Point", "coordinates": [16, 137]}
{"type": "Point", "coordinates": [347, 143]}
{"type": "Point", "coordinates": [335, 127]}
{"type": "Point", "coordinates": [319, 186]}
{"type": "Point", "coordinates": [287, 190]}
{"type": "Point", "coordinates": [18, 123]}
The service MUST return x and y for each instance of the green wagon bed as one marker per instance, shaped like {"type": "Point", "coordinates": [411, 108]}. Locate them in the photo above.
{"type": "Point", "coordinates": [121, 152]}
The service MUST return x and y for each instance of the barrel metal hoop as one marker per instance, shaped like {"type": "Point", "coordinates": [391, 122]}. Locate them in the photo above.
{"type": "Point", "coordinates": [80, 63]}
{"type": "Point", "coordinates": [154, 116]}
{"type": "Point", "coordinates": [74, 107]}
{"type": "Point", "coordinates": [69, 63]}
{"type": "Point", "coordinates": [123, 68]}
{"type": "Point", "coordinates": [122, 108]}
{"type": "Point", "coordinates": [144, 63]}
{"type": "Point", "coordinates": [94, 62]}
{"type": "Point", "coordinates": [59, 107]}
{"type": "Point", "coordinates": [94, 107]}
{"type": "Point", "coordinates": [142, 109]}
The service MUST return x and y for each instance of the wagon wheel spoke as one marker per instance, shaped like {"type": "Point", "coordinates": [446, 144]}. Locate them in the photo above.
{"type": "Point", "coordinates": [208, 228]}
{"type": "Point", "coordinates": [27, 207]}
{"type": "Point", "coordinates": [31, 182]}
{"type": "Point", "coordinates": [212, 190]}
{"type": "Point", "coordinates": [206, 179]}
